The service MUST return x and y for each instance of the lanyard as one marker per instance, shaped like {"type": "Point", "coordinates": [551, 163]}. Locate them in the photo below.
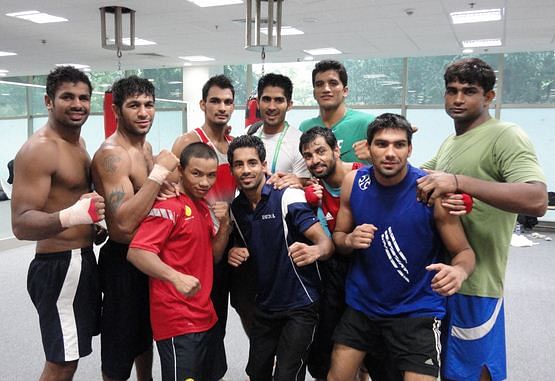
{"type": "Point", "coordinates": [278, 145]}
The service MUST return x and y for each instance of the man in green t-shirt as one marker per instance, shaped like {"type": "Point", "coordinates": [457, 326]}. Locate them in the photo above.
{"type": "Point", "coordinates": [329, 79]}
{"type": "Point", "coordinates": [495, 163]}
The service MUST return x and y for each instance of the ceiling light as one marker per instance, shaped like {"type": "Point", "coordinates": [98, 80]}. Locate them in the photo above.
{"type": "Point", "coordinates": [482, 15]}
{"type": "Point", "coordinates": [138, 41]}
{"type": "Point", "coordinates": [3, 74]}
{"type": "Point", "coordinates": [468, 51]}
{"type": "Point", "coordinates": [308, 58]}
{"type": "Point", "coordinates": [322, 51]}
{"type": "Point", "coordinates": [187, 64]}
{"type": "Point", "coordinates": [214, 3]}
{"type": "Point", "coordinates": [481, 43]}
{"type": "Point", "coordinates": [37, 17]}
{"type": "Point", "coordinates": [198, 58]}
{"type": "Point", "coordinates": [285, 31]}
{"type": "Point", "coordinates": [77, 66]}
{"type": "Point", "coordinates": [3, 71]}
{"type": "Point", "coordinates": [4, 54]}
{"type": "Point", "coordinates": [174, 82]}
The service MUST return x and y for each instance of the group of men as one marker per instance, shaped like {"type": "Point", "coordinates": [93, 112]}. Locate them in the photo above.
{"type": "Point", "coordinates": [362, 277]}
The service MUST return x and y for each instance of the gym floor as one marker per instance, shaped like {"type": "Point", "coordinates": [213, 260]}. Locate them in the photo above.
{"type": "Point", "coordinates": [529, 308]}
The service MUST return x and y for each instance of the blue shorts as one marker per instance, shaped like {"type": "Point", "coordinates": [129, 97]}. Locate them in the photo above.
{"type": "Point", "coordinates": [474, 338]}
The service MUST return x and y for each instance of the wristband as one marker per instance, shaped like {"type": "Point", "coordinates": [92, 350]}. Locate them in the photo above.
{"type": "Point", "coordinates": [159, 174]}
{"type": "Point", "coordinates": [456, 183]}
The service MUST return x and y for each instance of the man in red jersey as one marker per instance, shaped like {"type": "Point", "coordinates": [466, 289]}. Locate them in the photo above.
{"type": "Point", "coordinates": [176, 246]}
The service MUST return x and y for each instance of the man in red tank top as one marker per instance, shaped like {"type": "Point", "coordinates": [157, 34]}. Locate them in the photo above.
{"type": "Point", "coordinates": [218, 104]}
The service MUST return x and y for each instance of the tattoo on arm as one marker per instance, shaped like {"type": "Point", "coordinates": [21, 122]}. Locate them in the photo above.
{"type": "Point", "coordinates": [110, 163]}
{"type": "Point", "coordinates": [115, 199]}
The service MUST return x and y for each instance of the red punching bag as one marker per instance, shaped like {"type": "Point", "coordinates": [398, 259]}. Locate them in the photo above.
{"type": "Point", "coordinates": [252, 114]}
{"type": "Point", "coordinates": [109, 117]}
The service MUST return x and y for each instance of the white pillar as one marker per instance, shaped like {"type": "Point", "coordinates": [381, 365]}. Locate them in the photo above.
{"type": "Point", "coordinates": [194, 77]}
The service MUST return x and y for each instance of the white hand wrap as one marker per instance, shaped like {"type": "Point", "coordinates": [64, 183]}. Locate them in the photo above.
{"type": "Point", "coordinates": [159, 174]}
{"type": "Point", "coordinates": [83, 212]}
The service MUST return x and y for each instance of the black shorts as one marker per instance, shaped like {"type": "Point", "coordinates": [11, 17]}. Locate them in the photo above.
{"type": "Point", "coordinates": [332, 305]}
{"type": "Point", "coordinates": [65, 290]}
{"type": "Point", "coordinates": [412, 343]}
{"type": "Point", "coordinates": [125, 325]}
{"type": "Point", "coordinates": [193, 356]}
{"type": "Point", "coordinates": [285, 336]}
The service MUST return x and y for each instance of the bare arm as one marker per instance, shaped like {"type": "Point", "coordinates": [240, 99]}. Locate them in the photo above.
{"type": "Point", "coordinates": [449, 278]}
{"type": "Point", "coordinates": [112, 174]}
{"type": "Point", "coordinates": [322, 248]}
{"type": "Point", "coordinates": [34, 215]}
{"type": "Point", "coordinates": [346, 236]}
{"type": "Point", "coordinates": [361, 151]}
{"type": "Point", "coordinates": [151, 264]}
{"type": "Point", "coordinates": [282, 180]}
{"type": "Point", "coordinates": [237, 256]}
{"type": "Point", "coordinates": [522, 198]}
{"type": "Point", "coordinates": [219, 242]}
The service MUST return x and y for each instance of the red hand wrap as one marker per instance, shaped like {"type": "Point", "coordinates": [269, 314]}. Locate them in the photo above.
{"type": "Point", "coordinates": [311, 197]}
{"type": "Point", "coordinates": [92, 212]}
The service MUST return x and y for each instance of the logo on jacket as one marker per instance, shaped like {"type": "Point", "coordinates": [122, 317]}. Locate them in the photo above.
{"type": "Point", "coordinates": [188, 211]}
{"type": "Point", "coordinates": [364, 182]}
{"type": "Point", "coordinates": [270, 216]}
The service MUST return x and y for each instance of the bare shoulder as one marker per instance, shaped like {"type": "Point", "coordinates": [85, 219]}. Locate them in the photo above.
{"type": "Point", "coordinates": [37, 153]}
{"type": "Point", "coordinates": [347, 186]}
{"type": "Point", "coordinates": [349, 179]}
{"type": "Point", "coordinates": [441, 215]}
{"type": "Point", "coordinates": [111, 157]}
{"type": "Point", "coordinates": [183, 141]}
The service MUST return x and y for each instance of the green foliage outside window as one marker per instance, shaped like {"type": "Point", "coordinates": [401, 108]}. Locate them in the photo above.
{"type": "Point", "coordinates": [529, 78]}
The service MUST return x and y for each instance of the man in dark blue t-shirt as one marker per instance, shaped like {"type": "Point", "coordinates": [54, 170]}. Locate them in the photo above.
{"type": "Point", "coordinates": [281, 234]}
{"type": "Point", "coordinates": [395, 287]}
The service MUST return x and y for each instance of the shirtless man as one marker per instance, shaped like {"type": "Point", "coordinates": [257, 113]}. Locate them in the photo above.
{"type": "Point", "coordinates": [125, 172]}
{"type": "Point", "coordinates": [217, 103]}
{"type": "Point", "coordinates": [53, 204]}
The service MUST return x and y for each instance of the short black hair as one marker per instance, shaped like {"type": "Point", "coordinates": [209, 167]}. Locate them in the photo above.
{"type": "Point", "coordinates": [197, 150]}
{"type": "Point", "coordinates": [276, 80]}
{"type": "Point", "coordinates": [387, 121]}
{"type": "Point", "coordinates": [336, 66]}
{"type": "Point", "coordinates": [129, 86]}
{"type": "Point", "coordinates": [63, 74]}
{"type": "Point", "coordinates": [220, 81]}
{"type": "Point", "coordinates": [311, 135]}
{"type": "Point", "coordinates": [246, 141]}
{"type": "Point", "coordinates": [471, 71]}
